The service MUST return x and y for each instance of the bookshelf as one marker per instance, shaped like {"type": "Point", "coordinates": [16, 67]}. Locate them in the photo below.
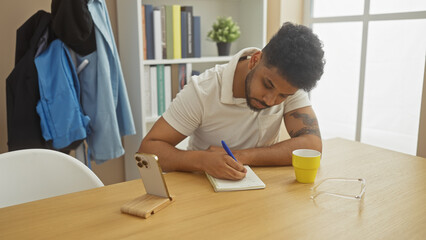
{"type": "Point", "coordinates": [249, 14]}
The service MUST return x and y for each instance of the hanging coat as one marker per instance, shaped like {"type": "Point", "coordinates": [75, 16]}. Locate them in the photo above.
{"type": "Point", "coordinates": [103, 91]}
{"type": "Point", "coordinates": [62, 120]}
{"type": "Point", "coordinates": [22, 90]}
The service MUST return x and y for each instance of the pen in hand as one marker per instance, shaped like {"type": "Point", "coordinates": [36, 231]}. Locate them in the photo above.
{"type": "Point", "coordinates": [228, 151]}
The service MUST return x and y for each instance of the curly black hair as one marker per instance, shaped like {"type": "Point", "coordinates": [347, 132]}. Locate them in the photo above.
{"type": "Point", "coordinates": [297, 53]}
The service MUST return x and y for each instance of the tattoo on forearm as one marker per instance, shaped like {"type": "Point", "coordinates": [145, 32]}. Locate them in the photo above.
{"type": "Point", "coordinates": [311, 124]}
{"type": "Point", "coordinates": [305, 130]}
{"type": "Point", "coordinates": [307, 120]}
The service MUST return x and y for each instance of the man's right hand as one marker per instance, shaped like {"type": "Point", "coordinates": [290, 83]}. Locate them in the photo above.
{"type": "Point", "coordinates": [220, 165]}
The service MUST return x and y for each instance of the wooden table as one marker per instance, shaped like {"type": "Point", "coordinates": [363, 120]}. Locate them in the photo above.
{"type": "Point", "coordinates": [394, 206]}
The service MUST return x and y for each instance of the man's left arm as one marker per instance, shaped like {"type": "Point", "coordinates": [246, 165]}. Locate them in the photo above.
{"type": "Point", "coordinates": [302, 126]}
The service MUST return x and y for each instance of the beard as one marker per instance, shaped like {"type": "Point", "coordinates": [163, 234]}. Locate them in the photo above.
{"type": "Point", "coordinates": [249, 99]}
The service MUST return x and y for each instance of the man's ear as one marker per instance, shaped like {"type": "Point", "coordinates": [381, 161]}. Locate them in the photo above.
{"type": "Point", "coordinates": [255, 59]}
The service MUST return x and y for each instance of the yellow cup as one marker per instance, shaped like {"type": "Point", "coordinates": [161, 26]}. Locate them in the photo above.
{"type": "Point", "coordinates": [306, 163]}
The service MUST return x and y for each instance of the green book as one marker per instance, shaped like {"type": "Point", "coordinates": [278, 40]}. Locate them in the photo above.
{"type": "Point", "coordinates": [161, 102]}
{"type": "Point", "coordinates": [169, 31]}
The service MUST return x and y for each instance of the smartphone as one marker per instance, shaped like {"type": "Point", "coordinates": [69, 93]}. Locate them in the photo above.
{"type": "Point", "coordinates": [152, 175]}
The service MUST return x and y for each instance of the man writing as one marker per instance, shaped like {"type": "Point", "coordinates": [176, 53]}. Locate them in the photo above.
{"type": "Point", "coordinates": [243, 103]}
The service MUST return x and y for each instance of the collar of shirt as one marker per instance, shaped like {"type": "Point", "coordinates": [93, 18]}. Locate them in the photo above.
{"type": "Point", "coordinates": [227, 78]}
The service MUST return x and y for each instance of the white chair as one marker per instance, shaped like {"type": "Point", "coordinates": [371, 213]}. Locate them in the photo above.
{"type": "Point", "coordinates": [33, 174]}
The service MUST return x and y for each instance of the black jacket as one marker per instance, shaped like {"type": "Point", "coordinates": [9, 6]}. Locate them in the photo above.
{"type": "Point", "coordinates": [22, 90]}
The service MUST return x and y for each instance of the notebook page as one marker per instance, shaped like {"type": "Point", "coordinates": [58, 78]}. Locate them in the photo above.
{"type": "Point", "coordinates": [251, 181]}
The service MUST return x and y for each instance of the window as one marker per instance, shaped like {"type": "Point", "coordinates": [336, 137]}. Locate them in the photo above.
{"type": "Point", "coordinates": [373, 80]}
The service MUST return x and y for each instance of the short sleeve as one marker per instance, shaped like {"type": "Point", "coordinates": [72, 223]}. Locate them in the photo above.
{"type": "Point", "coordinates": [298, 100]}
{"type": "Point", "coordinates": [185, 112]}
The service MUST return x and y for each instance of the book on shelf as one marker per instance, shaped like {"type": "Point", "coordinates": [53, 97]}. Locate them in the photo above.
{"type": "Point", "coordinates": [184, 33]}
{"type": "Point", "coordinates": [179, 77]}
{"type": "Point", "coordinates": [175, 79]}
{"type": "Point", "coordinates": [161, 104]}
{"type": "Point", "coordinates": [161, 85]}
{"type": "Point", "coordinates": [190, 31]}
{"type": "Point", "coordinates": [163, 31]}
{"type": "Point", "coordinates": [153, 82]}
{"type": "Point", "coordinates": [197, 36]}
{"type": "Point", "coordinates": [167, 85]}
{"type": "Point", "coordinates": [169, 31]}
{"type": "Point", "coordinates": [144, 32]}
{"type": "Point", "coordinates": [182, 75]}
{"type": "Point", "coordinates": [146, 98]}
{"type": "Point", "coordinates": [156, 20]}
{"type": "Point", "coordinates": [149, 31]}
{"type": "Point", "coordinates": [188, 72]}
{"type": "Point", "coordinates": [177, 52]}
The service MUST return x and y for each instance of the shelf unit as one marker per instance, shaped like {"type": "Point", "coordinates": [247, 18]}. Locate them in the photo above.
{"type": "Point", "coordinates": [249, 14]}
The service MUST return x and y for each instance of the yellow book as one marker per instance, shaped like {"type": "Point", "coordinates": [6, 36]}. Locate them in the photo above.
{"type": "Point", "coordinates": [177, 48]}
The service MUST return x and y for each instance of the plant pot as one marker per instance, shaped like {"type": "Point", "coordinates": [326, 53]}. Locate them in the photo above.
{"type": "Point", "coordinates": [223, 48]}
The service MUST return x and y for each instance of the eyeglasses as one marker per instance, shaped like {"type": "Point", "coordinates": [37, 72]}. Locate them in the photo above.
{"type": "Point", "coordinates": [315, 192]}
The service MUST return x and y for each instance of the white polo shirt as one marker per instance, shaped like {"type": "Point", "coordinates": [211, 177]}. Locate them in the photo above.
{"type": "Point", "coordinates": [206, 111]}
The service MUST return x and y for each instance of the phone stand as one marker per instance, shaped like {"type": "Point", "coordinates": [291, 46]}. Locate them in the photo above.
{"type": "Point", "coordinates": [146, 205]}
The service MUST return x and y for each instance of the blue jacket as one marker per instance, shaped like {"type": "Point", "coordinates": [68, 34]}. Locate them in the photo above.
{"type": "Point", "coordinates": [103, 91]}
{"type": "Point", "coordinates": [61, 118]}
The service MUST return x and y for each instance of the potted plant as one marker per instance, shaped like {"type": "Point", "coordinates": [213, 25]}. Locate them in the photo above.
{"type": "Point", "coordinates": [224, 31]}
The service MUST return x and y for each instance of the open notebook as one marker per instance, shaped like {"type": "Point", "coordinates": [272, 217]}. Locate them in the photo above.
{"type": "Point", "coordinates": [251, 181]}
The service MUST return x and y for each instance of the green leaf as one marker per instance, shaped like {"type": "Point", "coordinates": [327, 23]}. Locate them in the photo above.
{"type": "Point", "coordinates": [224, 30]}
